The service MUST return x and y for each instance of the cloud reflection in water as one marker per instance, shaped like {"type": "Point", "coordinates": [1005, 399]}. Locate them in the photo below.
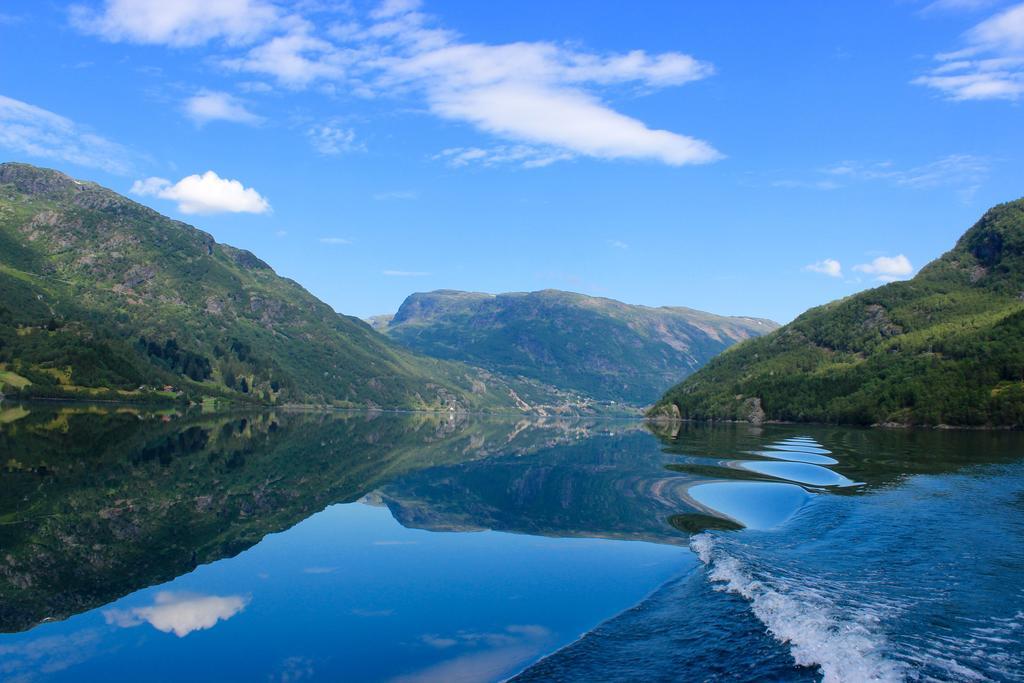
{"type": "Point", "coordinates": [180, 613]}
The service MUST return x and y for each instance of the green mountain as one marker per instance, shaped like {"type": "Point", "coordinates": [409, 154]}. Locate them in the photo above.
{"type": "Point", "coordinates": [604, 349]}
{"type": "Point", "coordinates": [946, 347]}
{"type": "Point", "coordinates": [101, 297]}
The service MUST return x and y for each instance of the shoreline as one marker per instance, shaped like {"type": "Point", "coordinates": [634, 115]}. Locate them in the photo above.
{"type": "Point", "coordinates": [661, 420]}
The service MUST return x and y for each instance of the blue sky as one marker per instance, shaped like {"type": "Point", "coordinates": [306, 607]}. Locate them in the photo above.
{"type": "Point", "coordinates": [742, 158]}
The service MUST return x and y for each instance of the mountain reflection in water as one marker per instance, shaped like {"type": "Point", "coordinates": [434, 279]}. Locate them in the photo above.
{"type": "Point", "coordinates": [116, 529]}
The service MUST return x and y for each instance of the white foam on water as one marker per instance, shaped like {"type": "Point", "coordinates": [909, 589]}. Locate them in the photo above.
{"type": "Point", "coordinates": [845, 645]}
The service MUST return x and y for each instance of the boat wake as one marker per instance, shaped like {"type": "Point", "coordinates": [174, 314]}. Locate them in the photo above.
{"type": "Point", "coordinates": [843, 643]}
{"type": "Point", "coordinates": [919, 583]}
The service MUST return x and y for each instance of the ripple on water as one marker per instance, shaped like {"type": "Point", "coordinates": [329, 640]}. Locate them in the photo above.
{"type": "Point", "coordinates": [754, 504]}
{"type": "Point", "coordinates": [800, 440]}
{"type": "Point", "coordinates": [796, 456]}
{"type": "Point", "coordinates": [801, 448]}
{"type": "Point", "coordinates": [799, 472]}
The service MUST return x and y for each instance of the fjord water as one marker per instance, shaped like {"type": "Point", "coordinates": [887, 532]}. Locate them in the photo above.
{"type": "Point", "coordinates": [278, 546]}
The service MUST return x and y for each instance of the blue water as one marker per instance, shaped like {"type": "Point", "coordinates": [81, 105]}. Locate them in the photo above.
{"type": "Point", "coordinates": [350, 594]}
{"type": "Point", "coordinates": [922, 580]}
{"type": "Point", "coordinates": [291, 547]}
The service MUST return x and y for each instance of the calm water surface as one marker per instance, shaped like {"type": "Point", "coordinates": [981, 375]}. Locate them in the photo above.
{"type": "Point", "coordinates": [287, 547]}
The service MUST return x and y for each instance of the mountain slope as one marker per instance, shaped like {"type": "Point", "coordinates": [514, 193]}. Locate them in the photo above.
{"type": "Point", "coordinates": [99, 295]}
{"type": "Point", "coordinates": [605, 349]}
{"type": "Point", "coordinates": [946, 347]}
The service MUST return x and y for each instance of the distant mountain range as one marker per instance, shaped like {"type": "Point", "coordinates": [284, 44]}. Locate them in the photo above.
{"type": "Point", "coordinates": [101, 297]}
{"type": "Point", "coordinates": [600, 348]}
{"type": "Point", "coordinates": [946, 347]}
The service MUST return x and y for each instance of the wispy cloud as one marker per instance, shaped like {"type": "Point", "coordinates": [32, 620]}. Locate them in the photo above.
{"type": "Point", "coordinates": [396, 195]}
{"type": "Point", "coordinates": [36, 132]}
{"type": "Point", "coordinates": [204, 194]}
{"type": "Point", "coordinates": [209, 105]}
{"type": "Point", "coordinates": [887, 268]}
{"type": "Point", "coordinates": [332, 140]}
{"type": "Point", "coordinates": [255, 86]}
{"type": "Point", "coordinates": [540, 93]}
{"type": "Point", "coordinates": [957, 6]}
{"type": "Point", "coordinates": [404, 273]}
{"type": "Point", "coordinates": [335, 240]}
{"type": "Point", "coordinates": [964, 173]}
{"type": "Point", "coordinates": [807, 184]}
{"type": "Point", "coordinates": [179, 23]}
{"type": "Point", "coordinates": [545, 101]}
{"type": "Point", "coordinates": [989, 66]}
{"type": "Point", "coordinates": [297, 58]}
{"type": "Point", "coordinates": [618, 244]}
{"type": "Point", "coordinates": [525, 156]}
{"type": "Point", "coordinates": [829, 266]}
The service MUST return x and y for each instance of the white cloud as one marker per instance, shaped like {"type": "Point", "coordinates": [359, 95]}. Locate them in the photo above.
{"type": "Point", "coordinates": [204, 194]}
{"type": "Point", "coordinates": [211, 105]}
{"type": "Point", "coordinates": [567, 119]}
{"type": "Point", "coordinates": [618, 244]}
{"type": "Point", "coordinates": [1002, 31]}
{"type": "Point", "coordinates": [529, 93]}
{"type": "Point", "coordinates": [990, 66]}
{"type": "Point", "coordinates": [540, 93]}
{"type": "Point", "coordinates": [887, 268]}
{"type": "Point", "coordinates": [335, 240]}
{"type": "Point", "coordinates": [332, 140]}
{"type": "Point", "coordinates": [404, 273]}
{"type": "Point", "coordinates": [829, 266]}
{"type": "Point", "coordinates": [36, 132]}
{"type": "Point", "coordinates": [180, 613]}
{"type": "Point", "coordinates": [295, 59]}
{"type": "Point", "coordinates": [390, 8]}
{"type": "Point", "coordinates": [526, 156]}
{"type": "Point", "coordinates": [178, 23]}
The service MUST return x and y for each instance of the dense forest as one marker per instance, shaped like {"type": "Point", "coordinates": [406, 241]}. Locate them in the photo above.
{"type": "Point", "coordinates": [944, 348]}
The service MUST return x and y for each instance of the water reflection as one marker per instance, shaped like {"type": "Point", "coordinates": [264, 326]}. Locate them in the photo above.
{"type": "Point", "coordinates": [802, 473]}
{"type": "Point", "coordinates": [489, 656]}
{"type": "Point", "coordinates": [179, 613]}
{"type": "Point", "coordinates": [796, 456]}
{"type": "Point", "coordinates": [128, 519]}
{"type": "Point", "coordinates": [752, 504]}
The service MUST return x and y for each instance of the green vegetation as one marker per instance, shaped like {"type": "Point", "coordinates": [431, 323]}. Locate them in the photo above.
{"type": "Point", "coordinates": [946, 347]}
{"type": "Point", "coordinates": [103, 298]}
{"type": "Point", "coordinates": [599, 348]}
